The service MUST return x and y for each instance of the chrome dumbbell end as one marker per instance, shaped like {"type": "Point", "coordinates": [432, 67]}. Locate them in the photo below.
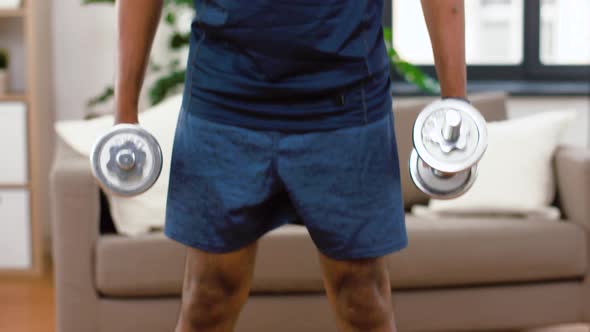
{"type": "Point", "coordinates": [127, 160]}
{"type": "Point", "coordinates": [450, 137]}
{"type": "Point", "coordinates": [440, 185]}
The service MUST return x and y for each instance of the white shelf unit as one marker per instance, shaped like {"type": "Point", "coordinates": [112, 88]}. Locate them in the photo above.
{"type": "Point", "coordinates": [25, 142]}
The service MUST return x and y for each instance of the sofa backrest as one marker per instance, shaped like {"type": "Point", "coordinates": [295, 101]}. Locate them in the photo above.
{"type": "Point", "coordinates": [492, 105]}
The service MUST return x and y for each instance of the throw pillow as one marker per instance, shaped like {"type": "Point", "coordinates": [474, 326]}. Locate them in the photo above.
{"type": "Point", "coordinates": [515, 175]}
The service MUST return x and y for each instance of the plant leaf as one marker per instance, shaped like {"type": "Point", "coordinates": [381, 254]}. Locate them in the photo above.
{"type": "Point", "coordinates": [105, 96]}
{"type": "Point", "coordinates": [170, 18]}
{"type": "Point", "coordinates": [164, 85]}
{"type": "Point", "coordinates": [154, 66]}
{"type": "Point", "coordinates": [179, 40]}
{"type": "Point", "coordinates": [4, 58]}
{"type": "Point", "coordinates": [174, 64]}
{"type": "Point", "coordinates": [408, 71]}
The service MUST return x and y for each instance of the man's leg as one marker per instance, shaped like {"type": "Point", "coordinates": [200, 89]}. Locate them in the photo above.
{"type": "Point", "coordinates": [360, 294]}
{"type": "Point", "coordinates": [215, 288]}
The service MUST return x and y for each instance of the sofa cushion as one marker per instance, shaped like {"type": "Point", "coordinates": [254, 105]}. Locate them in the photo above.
{"type": "Point", "coordinates": [523, 187]}
{"type": "Point", "coordinates": [444, 252]}
{"type": "Point", "coordinates": [479, 251]}
{"type": "Point", "coordinates": [492, 106]}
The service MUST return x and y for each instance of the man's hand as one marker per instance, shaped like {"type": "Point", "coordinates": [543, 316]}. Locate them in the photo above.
{"type": "Point", "coordinates": [445, 20]}
{"type": "Point", "coordinates": [138, 21]}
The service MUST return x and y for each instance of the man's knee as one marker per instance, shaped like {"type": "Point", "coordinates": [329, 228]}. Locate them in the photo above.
{"type": "Point", "coordinates": [362, 293]}
{"type": "Point", "coordinates": [209, 302]}
{"type": "Point", "coordinates": [215, 288]}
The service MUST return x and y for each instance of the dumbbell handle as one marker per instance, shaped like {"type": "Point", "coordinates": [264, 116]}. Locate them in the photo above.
{"type": "Point", "coordinates": [125, 159]}
{"type": "Point", "coordinates": [451, 128]}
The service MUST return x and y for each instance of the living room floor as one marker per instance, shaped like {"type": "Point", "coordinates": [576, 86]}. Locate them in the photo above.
{"type": "Point", "coordinates": [26, 305]}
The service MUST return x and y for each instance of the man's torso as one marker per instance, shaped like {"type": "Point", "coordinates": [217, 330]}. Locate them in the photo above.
{"type": "Point", "coordinates": [248, 59]}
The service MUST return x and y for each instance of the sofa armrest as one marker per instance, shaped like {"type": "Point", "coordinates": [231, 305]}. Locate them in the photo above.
{"type": "Point", "coordinates": [572, 165]}
{"type": "Point", "coordinates": [75, 210]}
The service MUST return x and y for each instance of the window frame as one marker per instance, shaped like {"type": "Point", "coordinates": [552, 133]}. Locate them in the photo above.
{"type": "Point", "coordinates": [530, 70]}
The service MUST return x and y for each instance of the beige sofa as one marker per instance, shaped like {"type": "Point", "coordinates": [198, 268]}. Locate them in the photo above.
{"type": "Point", "coordinates": [456, 275]}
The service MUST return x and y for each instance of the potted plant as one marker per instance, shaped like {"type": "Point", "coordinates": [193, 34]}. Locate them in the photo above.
{"type": "Point", "coordinates": [3, 71]}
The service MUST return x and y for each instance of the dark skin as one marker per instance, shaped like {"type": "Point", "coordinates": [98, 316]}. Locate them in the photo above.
{"type": "Point", "coordinates": [138, 21]}
{"type": "Point", "coordinates": [216, 286]}
{"type": "Point", "coordinates": [445, 20]}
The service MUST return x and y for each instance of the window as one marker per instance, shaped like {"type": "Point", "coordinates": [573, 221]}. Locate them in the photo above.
{"type": "Point", "coordinates": [518, 40]}
{"type": "Point", "coordinates": [565, 32]}
{"type": "Point", "coordinates": [493, 32]}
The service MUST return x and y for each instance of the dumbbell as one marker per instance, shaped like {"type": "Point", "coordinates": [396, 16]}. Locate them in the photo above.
{"type": "Point", "coordinates": [127, 160]}
{"type": "Point", "coordinates": [449, 137]}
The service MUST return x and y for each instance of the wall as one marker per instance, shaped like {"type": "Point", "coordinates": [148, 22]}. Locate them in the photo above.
{"type": "Point", "coordinates": [84, 57]}
{"type": "Point", "coordinates": [84, 43]}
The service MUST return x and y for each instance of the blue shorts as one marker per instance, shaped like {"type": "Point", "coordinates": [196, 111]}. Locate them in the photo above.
{"type": "Point", "coordinates": [230, 185]}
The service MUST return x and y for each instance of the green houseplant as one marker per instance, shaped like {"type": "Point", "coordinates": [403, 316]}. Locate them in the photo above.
{"type": "Point", "coordinates": [170, 77]}
{"type": "Point", "coordinates": [3, 71]}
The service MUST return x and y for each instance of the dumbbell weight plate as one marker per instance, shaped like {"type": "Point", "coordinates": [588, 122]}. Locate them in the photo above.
{"type": "Point", "coordinates": [115, 145]}
{"type": "Point", "coordinates": [473, 138]}
{"type": "Point", "coordinates": [440, 187]}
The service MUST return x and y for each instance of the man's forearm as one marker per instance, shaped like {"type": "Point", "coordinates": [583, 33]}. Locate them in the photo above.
{"type": "Point", "coordinates": [445, 20]}
{"type": "Point", "coordinates": [138, 21]}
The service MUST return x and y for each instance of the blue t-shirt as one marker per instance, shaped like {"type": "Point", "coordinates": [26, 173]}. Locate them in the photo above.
{"type": "Point", "coordinates": [288, 64]}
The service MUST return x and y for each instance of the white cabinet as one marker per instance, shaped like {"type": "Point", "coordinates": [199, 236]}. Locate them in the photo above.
{"type": "Point", "coordinates": [15, 229]}
{"type": "Point", "coordinates": [13, 143]}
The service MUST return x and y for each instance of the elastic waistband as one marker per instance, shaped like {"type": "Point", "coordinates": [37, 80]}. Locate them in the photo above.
{"type": "Point", "coordinates": [356, 105]}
